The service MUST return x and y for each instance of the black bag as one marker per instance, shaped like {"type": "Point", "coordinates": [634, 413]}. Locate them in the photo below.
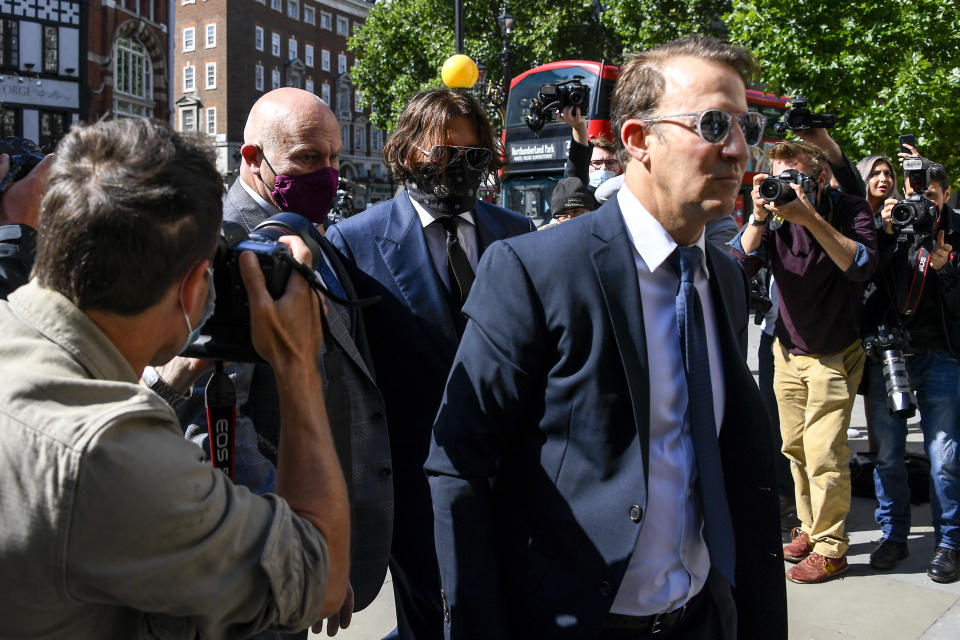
{"type": "Point", "coordinates": [918, 476]}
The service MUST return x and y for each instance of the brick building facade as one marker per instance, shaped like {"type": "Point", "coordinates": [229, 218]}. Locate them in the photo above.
{"type": "Point", "coordinates": [127, 66]}
{"type": "Point", "coordinates": [227, 53]}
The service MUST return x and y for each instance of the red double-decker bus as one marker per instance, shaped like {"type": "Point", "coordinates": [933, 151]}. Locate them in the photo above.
{"type": "Point", "coordinates": [535, 160]}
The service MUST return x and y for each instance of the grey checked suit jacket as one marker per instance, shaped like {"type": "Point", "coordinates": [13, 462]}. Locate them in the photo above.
{"type": "Point", "coordinates": [361, 437]}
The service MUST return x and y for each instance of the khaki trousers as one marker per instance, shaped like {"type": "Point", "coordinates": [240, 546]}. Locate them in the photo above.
{"type": "Point", "coordinates": [815, 395]}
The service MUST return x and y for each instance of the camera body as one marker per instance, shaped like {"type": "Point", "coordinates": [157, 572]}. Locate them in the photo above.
{"type": "Point", "coordinates": [917, 211]}
{"type": "Point", "coordinates": [24, 156]}
{"type": "Point", "coordinates": [886, 344]}
{"type": "Point", "coordinates": [556, 97]}
{"type": "Point", "coordinates": [799, 118]}
{"type": "Point", "coordinates": [226, 335]}
{"type": "Point", "coordinates": [343, 205]}
{"type": "Point", "coordinates": [778, 189]}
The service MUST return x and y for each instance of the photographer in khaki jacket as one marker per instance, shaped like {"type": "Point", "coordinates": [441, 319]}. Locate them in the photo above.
{"type": "Point", "coordinates": [111, 524]}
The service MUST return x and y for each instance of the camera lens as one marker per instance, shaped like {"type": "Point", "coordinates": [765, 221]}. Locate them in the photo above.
{"type": "Point", "coordinates": [906, 212]}
{"type": "Point", "coordinates": [771, 189]}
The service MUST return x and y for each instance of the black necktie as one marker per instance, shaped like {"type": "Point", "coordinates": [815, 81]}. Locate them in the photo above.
{"type": "Point", "coordinates": [718, 526]}
{"type": "Point", "coordinates": [458, 265]}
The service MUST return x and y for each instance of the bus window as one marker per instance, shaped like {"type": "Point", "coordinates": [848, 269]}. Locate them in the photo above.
{"type": "Point", "coordinates": [529, 197]}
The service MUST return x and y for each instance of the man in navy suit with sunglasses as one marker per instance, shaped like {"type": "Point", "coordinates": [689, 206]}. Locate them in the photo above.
{"type": "Point", "coordinates": [418, 252]}
{"type": "Point", "coordinates": [601, 464]}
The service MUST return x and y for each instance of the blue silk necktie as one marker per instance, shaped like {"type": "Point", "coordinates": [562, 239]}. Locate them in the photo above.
{"type": "Point", "coordinates": [718, 526]}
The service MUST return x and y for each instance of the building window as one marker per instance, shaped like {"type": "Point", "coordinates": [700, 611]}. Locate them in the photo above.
{"type": "Point", "coordinates": [51, 40]}
{"type": "Point", "coordinates": [325, 20]}
{"type": "Point", "coordinates": [293, 9]}
{"type": "Point", "coordinates": [292, 49]}
{"type": "Point", "coordinates": [309, 15]}
{"type": "Point", "coordinates": [359, 137]}
{"type": "Point", "coordinates": [259, 77]}
{"type": "Point", "coordinates": [189, 40]}
{"type": "Point", "coordinates": [275, 79]}
{"type": "Point", "coordinates": [211, 75]}
{"type": "Point", "coordinates": [10, 125]}
{"type": "Point", "coordinates": [275, 44]}
{"type": "Point", "coordinates": [308, 55]}
{"type": "Point", "coordinates": [325, 93]}
{"type": "Point", "coordinates": [53, 125]}
{"type": "Point", "coordinates": [345, 137]}
{"type": "Point", "coordinates": [308, 85]}
{"type": "Point", "coordinates": [343, 26]}
{"type": "Point", "coordinates": [212, 121]}
{"type": "Point", "coordinates": [376, 140]}
{"type": "Point", "coordinates": [356, 101]}
{"type": "Point", "coordinates": [188, 84]}
{"type": "Point", "coordinates": [258, 38]}
{"type": "Point", "coordinates": [187, 121]}
{"type": "Point", "coordinates": [341, 63]}
{"type": "Point", "coordinates": [325, 60]}
{"type": "Point", "coordinates": [211, 35]}
{"type": "Point", "coordinates": [343, 100]}
{"type": "Point", "coordinates": [132, 79]}
{"type": "Point", "coordinates": [276, 5]}
{"type": "Point", "coordinates": [10, 43]}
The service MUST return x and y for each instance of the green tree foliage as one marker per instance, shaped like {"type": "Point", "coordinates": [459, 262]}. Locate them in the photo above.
{"type": "Point", "coordinates": [883, 67]}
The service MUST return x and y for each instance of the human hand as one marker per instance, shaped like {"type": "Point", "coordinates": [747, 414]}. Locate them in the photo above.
{"type": "Point", "coordinates": [886, 215]}
{"type": "Point", "coordinates": [941, 254]}
{"type": "Point", "coordinates": [574, 117]}
{"type": "Point", "coordinates": [760, 211]}
{"type": "Point", "coordinates": [289, 329]}
{"type": "Point", "coordinates": [913, 153]}
{"type": "Point", "coordinates": [341, 619]}
{"type": "Point", "coordinates": [20, 203]}
{"type": "Point", "coordinates": [180, 373]}
{"type": "Point", "coordinates": [821, 139]}
{"type": "Point", "coordinates": [799, 210]}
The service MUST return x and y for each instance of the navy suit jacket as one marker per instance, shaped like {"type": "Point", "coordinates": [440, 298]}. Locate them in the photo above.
{"type": "Point", "coordinates": [413, 340]}
{"type": "Point", "coordinates": [541, 445]}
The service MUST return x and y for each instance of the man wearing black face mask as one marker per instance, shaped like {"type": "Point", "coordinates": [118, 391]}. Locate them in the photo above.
{"type": "Point", "coordinates": [418, 253]}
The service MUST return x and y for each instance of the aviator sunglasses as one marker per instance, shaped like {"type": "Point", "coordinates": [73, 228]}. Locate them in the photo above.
{"type": "Point", "coordinates": [444, 155]}
{"type": "Point", "coordinates": [714, 125]}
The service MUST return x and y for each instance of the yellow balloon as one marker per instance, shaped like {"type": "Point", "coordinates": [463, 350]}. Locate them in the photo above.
{"type": "Point", "coordinates": [459, 72]}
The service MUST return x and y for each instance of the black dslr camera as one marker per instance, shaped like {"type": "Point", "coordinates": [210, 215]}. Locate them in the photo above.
{"type": "Point", "coordinates": [557, 97]}
{"type": "Point", "coordinates": [343, 206]}
{"type": "Point", "coordinates": [917, 211]}
{"type": "Point", "coordinates": [799, 118]}
{"type": "Point", "coordinates": [226, 335]}
{"type": "Point", "coordinates": [887, 345]}
{"type": "Point", "coordinates": [24, 156]}
{"type": "Point", "coordinates": [777, 189]}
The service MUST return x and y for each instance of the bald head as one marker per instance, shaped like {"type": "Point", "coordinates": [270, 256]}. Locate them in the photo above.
{"type": "Point", "coordinates": [288, 132]}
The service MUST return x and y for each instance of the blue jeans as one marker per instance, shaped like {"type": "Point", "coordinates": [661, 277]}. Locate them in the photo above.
{"type": "Point", "coordinates": [936, 378]}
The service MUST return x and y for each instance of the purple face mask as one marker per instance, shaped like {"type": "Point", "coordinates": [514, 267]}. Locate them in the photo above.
{"type": "Point", "coordinates": [309, 194]}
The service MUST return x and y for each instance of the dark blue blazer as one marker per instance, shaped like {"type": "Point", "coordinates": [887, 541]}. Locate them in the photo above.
{"type": "Point", "coordinates": [541, 445]}
{"type": "Point", "coordinates": [413, 339]}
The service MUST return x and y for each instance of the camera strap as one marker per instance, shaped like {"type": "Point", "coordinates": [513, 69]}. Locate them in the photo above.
{"type": "Point", "coordinates": [921, 266]}
{"type": "Point", "coordinates": [220, 398]}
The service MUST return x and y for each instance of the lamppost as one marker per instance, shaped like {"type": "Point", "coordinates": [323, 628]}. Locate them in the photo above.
{"type": "Point", "coordinates": [490, 93]}
{"type": "Point", "coordinates": [505, 20]}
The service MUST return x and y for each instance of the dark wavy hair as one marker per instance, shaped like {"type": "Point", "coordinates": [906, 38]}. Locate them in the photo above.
{"type": "Point", "coordinates": [130, 206]}
{"type": "Point", "coordinates": [425, 118]}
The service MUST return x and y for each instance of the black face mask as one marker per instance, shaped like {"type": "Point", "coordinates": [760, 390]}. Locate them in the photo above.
{"type": "Point", "coordinates": [446, 192]}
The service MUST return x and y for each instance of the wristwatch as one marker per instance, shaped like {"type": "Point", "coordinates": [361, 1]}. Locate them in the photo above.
{"type": "Point", "coordinates": [155, 383]}
{"type": "Point", "coordinates": [752, 220]}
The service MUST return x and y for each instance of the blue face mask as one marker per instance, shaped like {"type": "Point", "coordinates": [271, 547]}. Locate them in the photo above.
{"type": "Point", "coordinates": [208, 307]}
{"type": "Point", "coordinates": [599, 177]}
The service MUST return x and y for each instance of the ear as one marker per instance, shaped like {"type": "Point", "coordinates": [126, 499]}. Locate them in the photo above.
{"type": "Point", "coordinates": [946, 195]}
{"type": "Point", "coordinates": [251, 157]}
{"type": "Point", "coordinates": [195, 290]}
{"type": "Point", "coordinates": [635, 136]}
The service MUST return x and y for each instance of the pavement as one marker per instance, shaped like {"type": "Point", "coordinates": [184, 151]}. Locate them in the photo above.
{"type": "Point", "coordinates": [902, 604]}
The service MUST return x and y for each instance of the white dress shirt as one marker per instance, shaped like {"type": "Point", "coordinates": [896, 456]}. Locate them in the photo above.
{"type": "Point", "coordinates": [436, 237]}
{"type": "Point", "coordinates": [670, 562]}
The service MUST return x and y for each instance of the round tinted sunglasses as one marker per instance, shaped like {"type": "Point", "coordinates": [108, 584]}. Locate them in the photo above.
{"type": "Point", "coordinates": [446, 154]}
{"type": "Point", "coordinates": [714, 125]}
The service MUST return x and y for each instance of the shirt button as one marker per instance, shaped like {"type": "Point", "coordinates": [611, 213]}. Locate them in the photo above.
{"type": "Point", "coordinates": [635, 513]}
{"type": "Point", "coordinates": [606, 589]}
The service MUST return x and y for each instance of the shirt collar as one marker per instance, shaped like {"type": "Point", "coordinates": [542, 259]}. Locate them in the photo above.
{"type": "Point", "coordinates": [648, 236]}
{"type": "Point", "coordinates": [427, 218]}
{"type": "Point", "coordinates": [269, 207]}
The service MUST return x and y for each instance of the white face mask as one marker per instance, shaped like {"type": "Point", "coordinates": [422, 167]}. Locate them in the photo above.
{"type": "Point", "coordinates": [599, 177]}
{"type": "Point", "coordinates": [208, 306]}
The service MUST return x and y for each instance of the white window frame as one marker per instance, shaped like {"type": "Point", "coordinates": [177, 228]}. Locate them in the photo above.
{"type": "Point", "coordinates": [277, 5]}
{"type": "Point", "coordinates": [325, 59]}
{"type": "Point", "coordinates": [258, 77]}
{"type": "Point", "coordinates": [211, 111]}
{"type": "Point", "coordinates": [345, 30]}
{"type": "Point", "coordinates": [359, 138]}
{"type": "Point", "coordinates": [342, 63]}
{"type": "Point", "coordinates": [308, 85]}
{"type": "Point", "coordinates": [293, 9]}
{"type": "Point", "coordinates": [326, 20]}
{"type": "Point", "coordinates": [189, 43]}
{"type": "Point", "coordinates": [192, 113]}
{"type": "Point", "coordinates": [210, 67]}
{"type": "Point", "coordinates": [192, 84]}
{"type": "Point", "coordinates": [258, 38]}
{"type": "Point", "coordinates": [275, 43]}
{"type": "Point", "coordinates": [325, 92]}
{"type": "Point", "coordinates": [309, 15]}
{"type": "Point", "coordinates": [356, 101]}
{"type": "Point", "coordinates": [210, 34]}
{"type": "Point", "coordinates": [275, 78]}
{"type": "Point", "coordinates": [308, 55]}
{"type": "Point", "coordinates": [293, 48]}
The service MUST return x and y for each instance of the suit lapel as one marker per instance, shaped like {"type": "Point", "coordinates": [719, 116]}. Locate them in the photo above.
{"type": "Point", "coordinates": [616, 271]}
{"type": "Point", "coordinates": [405, 253]}
{"type": "Point", "coordinates": [239, 206]}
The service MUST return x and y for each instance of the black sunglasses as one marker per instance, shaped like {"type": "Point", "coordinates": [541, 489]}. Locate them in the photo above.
{"type": "Point", "coordinates": [446, 154]}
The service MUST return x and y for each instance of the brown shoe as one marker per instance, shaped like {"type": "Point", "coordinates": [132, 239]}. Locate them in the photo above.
{"type": "Point", "coordinates": [817, 568]}
{"type": "Point", "coordinates": [799, 547]}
